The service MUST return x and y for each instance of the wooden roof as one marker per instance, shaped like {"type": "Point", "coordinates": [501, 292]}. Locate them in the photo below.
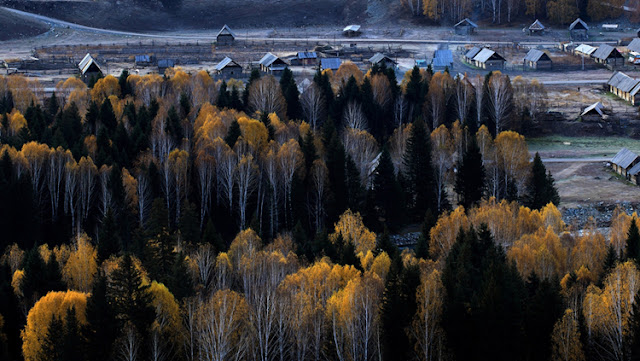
{"type": "Point", "coordinates": [624, 158]}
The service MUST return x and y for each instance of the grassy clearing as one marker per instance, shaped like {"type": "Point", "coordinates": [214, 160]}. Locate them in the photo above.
{"type": "Point", "coordinates": [582, 146]}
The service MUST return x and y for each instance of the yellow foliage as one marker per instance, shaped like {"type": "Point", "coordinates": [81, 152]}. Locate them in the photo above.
{"type": "Point", "coordinates": [13, 256]}
{"type": "Point", "coordinates": [16, 282]}
{"type": "Point", "coordinates": [82, 265]}
{"type": "Point", "coordinates": [380, 265]}
{"type": "Point", "coordinates": [351, 228]}
{"type": "Point", "coordinates": [167, 310]}
{"type": "Point", "coordinates": [552, 218]}
{"type": "Point", "coordinates": [445, 232]}
{"type": "Point", "coordinates": [565, 339]}
{"type": "Point", "coordinates": [541, 253]}
{"type": "Point", "coordinates": [104, 88]}
{"type": "Point", "coordinates": [254, 132]}
{"type": "Point", "coordinates": [130, 188]}
{"type": "Point", "coordinates": [54, 304]}
{"type": "Point", "coordinates": [16, 122]}
{"type": "Point", "coordinates": [91, 143]}
{"type": "Point", "coordinates": [246, 244]}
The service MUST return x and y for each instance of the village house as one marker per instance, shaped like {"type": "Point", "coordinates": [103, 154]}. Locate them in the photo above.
{"type": "Point", "coordinates": [625, 87]}
{"type": "Point", "coordinates": [465, 27]}
{"type": "Point", "coordinates": [536, 28]}
{"type": "Point", "coordinates": [488, 59]}
{"type": "Point", "coordinates": [471, 53]}
{"type": "Point", "coordinates": [634, 45]}
{"type": "Point", "coordinates": [89, 69]}
{"type": "Point", "coordinates": [305, 58]}
{"type": "Point", "coordinates": [225, 36]}
{"type": "Point", "coordinates": [623, 162]}
{"type": "Point", "coordinates": [579, 30]}
{"type": "Point", "coordinates": [330, 63]}
{"type": "Point", "coordinates": [442, 59]}
{"type": "Point", "coordinates": [272, 64]}
{"type": "Point", "coordinates": [584, 50]}
{"type": "Point", "coordinates": [594, 112]}
{"type": "Point", "coordinates": [351, 31]}
{"type": "Point", "coordinates": [164, 64]}
{"type": "Point", "coordinates": [228, 68]}
{"type": "Point", "coordinates": [608, 55]}
{"type": "Point", "coordinates": [633, 174]}
{"type": "Point", "coordinates": [381, 59]}
{"type": "Point", "coordinates": [537, 59]}
{"type": "Point", "coordinates": [144, 60]}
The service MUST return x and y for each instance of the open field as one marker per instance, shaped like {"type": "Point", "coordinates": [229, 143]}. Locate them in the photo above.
{"type": "Point", "coordinates": [580, 147]}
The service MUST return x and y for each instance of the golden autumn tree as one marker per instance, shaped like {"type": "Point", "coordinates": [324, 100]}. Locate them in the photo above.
{"type": "Point", "coordinates": [81, 266]}
{"type": "Point", "coordinates": [541, 253]}
{"type": "Point", "coordinates": [565, 339]}
{"type": "Point", "coordinates": [54, 304]}
{"type": "Point", "coordinates": [445, 232]}
{"type": "Point", "coordinates": [351, 228]}
{"type": "Point", "coordinates": [104, 88]}
{"type": "Point", "coordinates": [426, 328]}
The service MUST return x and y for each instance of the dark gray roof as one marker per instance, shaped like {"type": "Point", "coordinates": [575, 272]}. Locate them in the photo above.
{"type": "Point", "coordinates": [227, 61]}
{"type": "Point", "coordinates": [226, 30]}
{"type": "Point", "coordinates": [578, 24]}
{"type": "Point", "coordinates": [634, 45]}
{"type": "Point", "coordinates": [472, 52]}
{"type": "Point", "coordinates": [166, 63]}
{"type": "Point", "coordinates": [487, 54]}
{"type": "Point", "coordinates": [605, 51]}
{"type": "Point", "coordinates": [534, 55]}
{"type": "Point", "coordinates": [624, 158]}
{"type": "Point", "coordinates": [268, 59]}
{"type": "Point", "coordinates": [444, 55]}
{"type": "Point", "coordinates": [634, 170]}
{"type": "Point", "coordinates": [307, 55]}
{"type": "Point", "coordinates": [537, 25]}
{"type": "Point", "coordinates": [330, 63]}
{"type": "Point", "coordinates": [378, 57]}
{"type": "Point", "coordinates": [465, 22]}
{"type": "Point", "coordinates": [143, 58]}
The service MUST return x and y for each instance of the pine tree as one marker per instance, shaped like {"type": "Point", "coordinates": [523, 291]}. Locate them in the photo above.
{"type": "Point", "coordinates": [387, 193]}
{"type": "Point", "coordinates": [125, 87]}
{"type": "Point", "coordinates": [419, 187]}
{"type": "Point", "coordinates": [107, 117]}
{"type": "Point", "coordinates": [173, 126]}
{"type": "Point", "coordinates": [101, 330]}
{"type": "Point", "coordinates": [185, 105]}
{"type": "Point", "coordinates": [180, 282]}
{"type": "Point", "coordinates": [634, 325]}
{"type": "Point", "coordinates": [414, 93]}
{"type": "Point", "coordinates": [223, 96]}
{"type": "Point", "coordinates": [72, 342]}
{"type": "Point", "coordinates": [540, 188]}
{"type": "Point", "coordinates": [130, 298]}
{"type": "Point", "coordinates": [53, 343]}
{"type": "Point", "coordinates": [422, 248]}
{"type": "Point", "coordinates": [109, 242]}
{"type": "Point", "coordinates": [233, 134]}
{"type": "Point", "coordinates": [470, 181]}
{"type": "Point", "coordinates": [291, 94]}
{"type": "Point", "coordinates": [633, 242]}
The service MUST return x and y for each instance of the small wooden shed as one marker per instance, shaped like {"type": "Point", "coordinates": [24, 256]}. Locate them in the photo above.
{"type": "Point", "coordinates": [624, 161]}
{"type": "Point", "coordinates": [164, 64]}
{"type": "Point", "coordinates": [272, 64]}
{"type": "Point", "coordinates": [330, 63]}
{"type": "Point", "coordinates": [465, 27]}
{"type": "Point", "coordinates": [228, 68]}
{"type": "Point", "coordinates": [380, 59]}
{"type": "Point", "coordinates": [537, 59]}
{"type": "Point", "coordinates": [607, 54]}
{"type": "Point", "coordinates": [351, 31]}
{"type": "Point", "coordinates": [579, 30]}
{"type": "Point", "coordinates": [305, 58]}
{"type": "Point", "coordinates": [536, 28]}
{"type": "Point", "coordinates": [225, 36]}
{"type": "Point", "coordinates": [489, 60]}
{"type": "Point", "coordinates": [89, 69]}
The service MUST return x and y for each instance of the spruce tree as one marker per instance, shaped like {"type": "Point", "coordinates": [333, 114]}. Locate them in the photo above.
{"type": "Point", "coordinates": [53, 343]}
{"type": "Point", "coordinates": [109, 242]}
{"type": "Point", "coordinates": [125, 87]}
{"type": "Point", "coordinates": [101, 329]}
{"type": "Point", "coordinates": [223, 96]}
{"type": "Point", "coordinates": [634, 325]}
{"type": "Point", "coordinates": [419, 188]}
{"type": "Point", "coordinates": [387, 193]}
{"type": "Point", "coordinates": [470, 178]}
{"type": "Point", "coordinates": [107, 117]}
{"type": "Point", "coordinates": [72, 341]}
{"type": "Point", "coordinates": [233, 134]}
{"type": "Point", "coordinates": [235, 102]}
{"type": "Point", "coordinates": [540, 188]}
{"type": "Point", "coordinates": [291, 94]}
{"type": "Point", "coordinates": [633, 242]}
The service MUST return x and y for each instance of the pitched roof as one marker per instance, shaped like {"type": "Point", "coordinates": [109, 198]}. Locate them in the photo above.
{"type": "Point", "coordinates": [634, 170]}
{"type": "Point", "coordinates": [487, 54]}
{"type": "Point", "coordinates": [86, 63]}
{"type": "Point", "coordinates": [597, 107]}
{"type": "Point", "coordinates": [624, 158]}
{"type": "Point", "coordinates": [352, 28]}
{"type": "Point", "coordinates": [634, 45]}
{"type": "Point", "coordinates": [465, 22]}
{"type": "Point", "coordinates": [585, 49]}
{"type": "Point", "coordinates": [534, 55]}
{"type": "Point", "coordinates": [227, 61]}
{"type": "Point", "coordinates": [578, 24]}
{"type": "Point", "coordinates": [442, 58]}
{"type": "Point", "coordinates": [537, 25]}
{"type": "Point", "coordinates": [307, 55]}
{"type": "Point", "coordinates": [166, 63]}
{"type": "Point", "coordinates": [269, 59]}
{"type": "Point", "coordinates": [330, 63]}
{"type": "Point", "coordinates": [605, 51]}
{"type": "Point", "coordinates": [472, 52]}
{"type": "Point", "coordinates": [226, 31]}
{"type": "Point", "coordinates": [378, 57]}
{"type": "Point", "coordinates": [623, 82]}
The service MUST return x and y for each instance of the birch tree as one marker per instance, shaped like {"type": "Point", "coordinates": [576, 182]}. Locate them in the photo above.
{"type": "Point", "coordinates": [500, 100]}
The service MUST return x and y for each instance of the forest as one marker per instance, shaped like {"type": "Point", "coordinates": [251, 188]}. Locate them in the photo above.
{"type": "Point", "coordinates": [181, 217]}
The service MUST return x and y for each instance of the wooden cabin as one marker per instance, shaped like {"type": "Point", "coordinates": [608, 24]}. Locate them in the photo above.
{"type": "Point", "coordinates": [625, 87]}
{"type": "Point", "coordinates": [536, 28]}
{"type": "Point", "coordinates": [579, 30]}
{"type": "Point", "coordinates": [465, 27]}
{"type": "Point", "coordinates": [225, 36]}
{"type": "Point", "coordinates": [608, 55]}
{"type": "Point", "coordinates": [351, 30]}
{"type": "Point", "coordinates": [272, 64]}
{"type": "Point", "coordinates": [228, 69]}
{"type": "Point", "coordinates": [380, 59]}
{"type": "Point", "coordinates": [330, 63]}
{"type": "Point", "coordinates": [489, 60]}
{"type": "Point", "coordinates": [624, 161]}
{"type": "Point", "coordinates": [89, 69]}
{"type": "Point", "coordinates": [537, 59]}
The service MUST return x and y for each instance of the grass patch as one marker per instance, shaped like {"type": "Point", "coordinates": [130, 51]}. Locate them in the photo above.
{"type": "Point", "coordinates": [585, 146]}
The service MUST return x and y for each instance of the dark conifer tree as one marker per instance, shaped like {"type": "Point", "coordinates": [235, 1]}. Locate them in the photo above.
{"type": "Point", "coordinates": [223, 100]}
{"type": "Point", "coordinates": [633, 242]}
{"type": "Point", "coordinates": [634, 324]}
{"type": "Point", "coordinates": [470, 181]}
{"type": "Point", "coordinates": [107, 117]}
{"type": "Point", "coordinates": [185, 105]}
{"type": "Point", "coordinates": [92, 117]}
{"type": "Point", "coordinates": [235, 102]}
{"type": "Point", "coordinates": [125, 87]}
{"type": "Point", "coordinates": [174, 126]}
{"type": "Point", "coordinates": [291, 94]}
{"type": "Point", "coordinates": [233, 133]}
{"type": "Point", "coordinates": [387, 193]}
{"type": "Point", "coordinates": [419, 188]}
{"type": "Point", "coordinates": [109, 242]}
{"type": "Point", "coordinates": [355, 191]}
{"type": "Point", "coordinates": [544, 306]}
{"type": "Point", "coordinates": [414, 93]}
{"type": "Point", "coordinates": [72, 341]}
{"type": "Point", "coordinates": [180, 283]}
{"type": "Point", "coordinates": [101, 330]}
{"type": "Point", "coordinates": [53, 343]}
{"type": "Point", "coordinates": [540, 188]}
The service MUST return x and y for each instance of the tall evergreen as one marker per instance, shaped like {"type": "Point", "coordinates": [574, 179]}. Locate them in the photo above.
{"type": "Point", "coordinates": [107, 117]}
{"type": "Point", "coordinates": [540, 188]}
{"type": "Point", "coordinates": [634, 323]}
{"type": "Point", "coordinates": [291, 94]}
{"type": "Point", "coordinates": [414, 93]}
{"type": "Point", "coordinates": [419, 187]}
{"type": "Point", "coordinates": [223, 96]}
{"type": "Point", "coordinates": [633, 242]}
{"type": "Point", "coordinates": [470, 178]}
{"type": "Point", "coordinates": [233, 133]}
{"type": "Point", "coordinates": [53, 343]}
{"type": "Point", "coordinates": [387, 193]}
{"type": "Point", "coordinates": [72, 341]}
{"type": "Point", "coordinates": [125, 87]}
{"type": "Point", "coordinates": [101, 329]}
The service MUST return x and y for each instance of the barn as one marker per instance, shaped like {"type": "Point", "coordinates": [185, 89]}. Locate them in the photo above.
{"type": "Point", "coordinates": [442, 59]}
{"type": "Point", "coordinates": [305, 58]}
{"type": "Point", "coordinates": [608, 55]}
{"type": "Point", "coordinates": [228, 68]}
{"type": "Point", "coordinates": [584, 50]}
{"type": "Point", "coordinates": [164, 64]}
{"type": "Point", "coordinates": [144, 60]}
{"type": "Point", "coordinates": [579, 30]}
{"type": "Point", "coordinates": [471, 53]}
{"type": "Point", "coordinates": [537, 59]}
{"type": "Point", "coordinates": [536, 28]}
{"type": "Point", "coordinates": [89, 69]}
{"type": "Point", "coordinates": [272, 64]}
{"type": "Point", "coordinates": [225, 36]}
{"type": "Point", "coordinates": [489, 60]}
{"type": "Point", "coordinates": [625, 87]}
{"type": "Point", "coordinates": [381, 59]}
{"type": "Point", "coordinates": [624, 161]}
{"type": "Point", "coordinates": [465, 27]}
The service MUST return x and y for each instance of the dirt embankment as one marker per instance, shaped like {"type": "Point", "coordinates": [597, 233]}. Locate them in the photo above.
{"type": "Point", "coordinates": [17, 27]}
{"type": "Point", "coordinates": [201, 14]}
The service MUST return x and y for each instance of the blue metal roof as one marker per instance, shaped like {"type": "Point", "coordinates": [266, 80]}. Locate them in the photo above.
{"type": "Point", "coordinates": [166, 63]}
{"type": "Point", "coordinates": [330, 63]}
{"type": "Point", "coordinates": [143, 59]}
{"type": "Point", "coordinates": [307, 55]}
{"type": "Point", "coordinates": [443, 56]}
